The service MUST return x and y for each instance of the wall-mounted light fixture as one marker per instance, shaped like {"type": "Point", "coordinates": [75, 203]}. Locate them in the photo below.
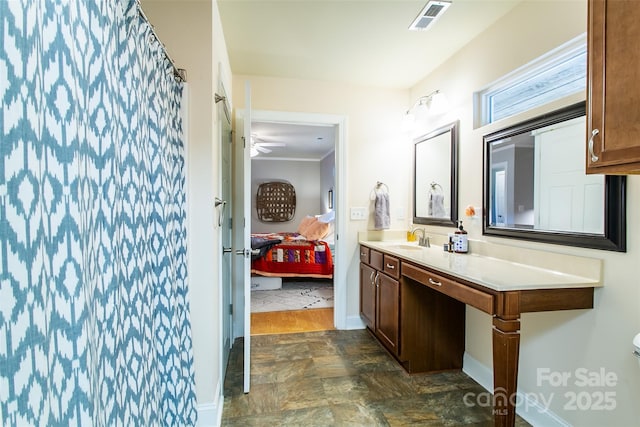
{"type": "Point", "coordinates": [434, 103]}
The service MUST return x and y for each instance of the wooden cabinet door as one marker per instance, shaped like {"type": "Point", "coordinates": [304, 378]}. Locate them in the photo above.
{"type": "Point", "coordinates": [613, 87]}
{"type": "Point", "coordinates": [368, 296]}
{"type": "Point", "coordinates": [388, 321]}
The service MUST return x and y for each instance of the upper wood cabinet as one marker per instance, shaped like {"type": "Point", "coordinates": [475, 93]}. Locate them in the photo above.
{"type": "Point", "coordinates": [613, 87]}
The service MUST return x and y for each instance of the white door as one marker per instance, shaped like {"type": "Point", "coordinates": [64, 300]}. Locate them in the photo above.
{"type": "Point", "coordinates": [499, 207]}
{"type": "Point", "coordinates": [241, 226]}
{"type": "Point", "coordinates": [246, 234]}
{"type": "Point", "coordinates": [223, 205]}
{"type": "Point", "coordinates": [566, 198]}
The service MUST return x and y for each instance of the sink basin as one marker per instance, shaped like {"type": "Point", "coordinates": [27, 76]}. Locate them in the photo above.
{"type": "Point", "coordinates": [406, 247]}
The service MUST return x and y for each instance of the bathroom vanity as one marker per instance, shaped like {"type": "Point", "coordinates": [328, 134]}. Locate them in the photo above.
{"type": "Point", "coordinates": [413, 300]}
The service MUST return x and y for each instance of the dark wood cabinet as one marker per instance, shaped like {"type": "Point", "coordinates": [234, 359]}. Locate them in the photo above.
{"type": "Point", "coordinates": [380, 296]}
{"type": "Point", "coordinates": [429, 310]}
{"type": "Point", "coordinates": [368, 295]}
{"type": "Point", "coordinates": [421, 327]}
{"type": "Point", "coordinates": [432, 332]}
{"type": "Point", "coordinates": [388, 322]}
{"type": "Point", "coordinates": [613, 87]}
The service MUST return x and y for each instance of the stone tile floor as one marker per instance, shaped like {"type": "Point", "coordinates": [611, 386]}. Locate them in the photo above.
{"type": "Point", "coordinates": [343, 378]}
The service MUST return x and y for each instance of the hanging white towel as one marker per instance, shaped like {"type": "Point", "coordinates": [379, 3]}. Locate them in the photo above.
{"type": "Point", "coordinates": [382, 218]}
{"type": "Point", "coordinates": [436, 205]}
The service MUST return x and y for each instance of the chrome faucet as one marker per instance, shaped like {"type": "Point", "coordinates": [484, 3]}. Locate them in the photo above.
{"type": "Point", "coordinates": [424, 240]}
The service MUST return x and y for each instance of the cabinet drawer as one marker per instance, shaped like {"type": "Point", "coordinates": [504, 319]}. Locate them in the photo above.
{"type": "Point", "coordinates": [364, 254]}
{"type": "Point", "coordinates": [473, 297]}
{"type": "Point", "coordinates": [391, 266]}
{"type": "Point", "coordinates": [375, 259]}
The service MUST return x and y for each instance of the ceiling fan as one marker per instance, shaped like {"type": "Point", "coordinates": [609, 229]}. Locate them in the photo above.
{"type": "Point", "coordinates": [259, 145]}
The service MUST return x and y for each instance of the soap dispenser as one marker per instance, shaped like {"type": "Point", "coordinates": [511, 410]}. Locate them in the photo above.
{"type": "Point", "coordinates": [461, 244]}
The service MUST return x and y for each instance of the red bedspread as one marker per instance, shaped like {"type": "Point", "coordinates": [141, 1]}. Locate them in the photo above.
{"type": "Point", "coordinates": [294, 257]}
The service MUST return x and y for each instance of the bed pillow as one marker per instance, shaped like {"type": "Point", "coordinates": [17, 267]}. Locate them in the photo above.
{"type": "Point", "coordinates": [328, 217]}
{"type": "Point", "coordinates": [312, 229]}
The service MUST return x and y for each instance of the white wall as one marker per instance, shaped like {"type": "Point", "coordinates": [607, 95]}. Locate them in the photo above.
{"type": "Point", "coordinates": [376, 149]}
{"type": "Point", "coordinates": [560, 341]}
{"type": "Point", "coordinates": [305, 178]}
{"type": "Point", "coordinates": [192, 34]}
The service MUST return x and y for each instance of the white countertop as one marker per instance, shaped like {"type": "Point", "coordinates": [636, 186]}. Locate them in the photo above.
{"type": "Point", "coordinates": [493, 273]}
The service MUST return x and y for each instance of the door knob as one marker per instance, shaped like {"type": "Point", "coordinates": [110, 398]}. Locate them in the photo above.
{"type": "Point", "coordinates": [243, 252]}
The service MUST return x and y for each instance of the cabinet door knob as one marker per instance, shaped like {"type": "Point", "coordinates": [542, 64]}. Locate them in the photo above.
{"type": "Point", "coordinates": [433, 282]}
{"type": "Point", "coordinates": [594, 158]}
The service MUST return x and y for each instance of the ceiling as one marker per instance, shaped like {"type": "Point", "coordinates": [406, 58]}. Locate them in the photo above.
{"type": "Point", "coordinates": [302, 142]}
{"type": "Point", "coordinates": [363, 42]}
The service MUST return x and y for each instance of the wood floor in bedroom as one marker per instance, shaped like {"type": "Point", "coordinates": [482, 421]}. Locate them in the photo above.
{"type": "Point", "coordinates": [292, 321]}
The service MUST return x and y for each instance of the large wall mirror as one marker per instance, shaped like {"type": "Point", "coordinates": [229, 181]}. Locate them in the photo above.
{"type": "Point", "coordinates": [435, 195]}
{"type": "Point", "coordinates": [535, 186]}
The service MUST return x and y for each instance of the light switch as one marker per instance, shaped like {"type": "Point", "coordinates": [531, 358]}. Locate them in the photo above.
{"type": "Point", "coordinates": [358, 213]}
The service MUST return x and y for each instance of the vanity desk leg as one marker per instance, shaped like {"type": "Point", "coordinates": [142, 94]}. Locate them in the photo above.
{"type": "Point", "coordinates": [506, 349]}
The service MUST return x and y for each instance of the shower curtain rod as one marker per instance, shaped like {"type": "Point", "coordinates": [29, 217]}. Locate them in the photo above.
{"type": "Point", "coordinates": [179, 73]}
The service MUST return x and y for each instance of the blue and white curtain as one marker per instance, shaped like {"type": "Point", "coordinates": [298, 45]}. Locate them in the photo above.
{"type": "Point", "coordinates": [94, 326]}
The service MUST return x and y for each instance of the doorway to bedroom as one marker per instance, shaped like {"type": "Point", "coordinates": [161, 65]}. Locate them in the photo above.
{"type": "Point", "coordinates": [292, 227]}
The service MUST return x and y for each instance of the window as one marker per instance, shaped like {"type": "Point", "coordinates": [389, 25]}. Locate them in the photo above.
{"type": "Point", "coordinates": [557, 74]}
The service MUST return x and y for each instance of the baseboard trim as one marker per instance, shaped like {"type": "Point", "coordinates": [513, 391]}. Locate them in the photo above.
{"type": "Point", "coordinates": [210, 413]}
{"type": "Point", "coordinates": [528, 408]}
{"type": "Point", "coordinates": [354, 322]}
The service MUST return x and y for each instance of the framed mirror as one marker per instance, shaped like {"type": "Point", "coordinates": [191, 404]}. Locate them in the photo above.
{"type": "Point", "coordinates": [435, 187]}
{"type": "Point", "coordinates": [535, 186]}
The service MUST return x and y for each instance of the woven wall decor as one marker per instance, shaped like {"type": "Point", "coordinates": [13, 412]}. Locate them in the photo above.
{"type": "Point", "coordinates": [276, 202]}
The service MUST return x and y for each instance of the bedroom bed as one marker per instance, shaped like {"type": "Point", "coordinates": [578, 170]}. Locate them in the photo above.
{"type": "Point", "coordinates": [304, 253]}
{"type": "Point", "coordinates": [290, 254]}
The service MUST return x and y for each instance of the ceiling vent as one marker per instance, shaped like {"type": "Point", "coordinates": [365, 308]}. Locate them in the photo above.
{"type": "Point", "coordinates": [429, 14]}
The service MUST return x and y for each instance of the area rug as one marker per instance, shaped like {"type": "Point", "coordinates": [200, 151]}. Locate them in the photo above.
{"type": "Point", "coordinates": [293, 296]}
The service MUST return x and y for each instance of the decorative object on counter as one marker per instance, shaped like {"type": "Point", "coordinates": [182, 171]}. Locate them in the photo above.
{"type": "Point", "coordinates": [381, 213]}
{"type": "Point", "coordinates": [276, 201]}
{"type": "Point", "coordinates": [461, 244]}
{"type": "Point", "coordinates": [452, 242]}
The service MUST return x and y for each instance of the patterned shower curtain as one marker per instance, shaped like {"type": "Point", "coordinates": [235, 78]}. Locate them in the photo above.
{"type": "Point", "coordinates": [94, 326]}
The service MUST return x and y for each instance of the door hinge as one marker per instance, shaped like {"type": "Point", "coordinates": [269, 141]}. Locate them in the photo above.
{"type": "Point", "coordinates": [230, 308]}
{"type": "Point", "coordinates": [244, 142]}
{"type": "Point", "coordinates": [231, 223]}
